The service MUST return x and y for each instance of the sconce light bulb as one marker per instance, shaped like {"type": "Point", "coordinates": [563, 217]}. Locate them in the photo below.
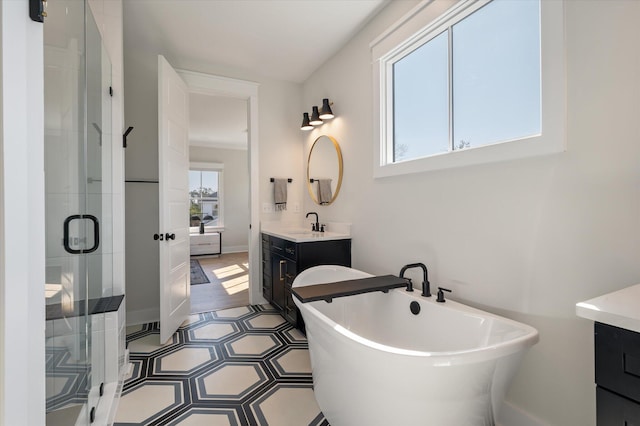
{"type": "Point", "coordinates": [315, 117]}
{"type": "Point", "coordinates": [325, 112]}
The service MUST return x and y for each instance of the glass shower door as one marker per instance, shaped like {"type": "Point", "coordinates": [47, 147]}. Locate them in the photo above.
{"type": "Point", "coordinates": [77, 165]}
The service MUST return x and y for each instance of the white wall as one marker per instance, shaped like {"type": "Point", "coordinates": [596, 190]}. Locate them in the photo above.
{"type": "Point", "coordinates": [235, 193]}
{"type": "Point", "coordinates": [21, 199]}
{"type": "Point", "coordinates": [528, 238]}
{"type": "Point", "coordinates": [280, 152]}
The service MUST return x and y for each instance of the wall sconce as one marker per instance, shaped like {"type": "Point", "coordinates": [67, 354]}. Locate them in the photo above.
{"type": "Point", "coordinates": [305, 122]}
{"type": "Point", "coordinates": [315, 117]}
{"type": "Point", "coordinates": [325, 113]}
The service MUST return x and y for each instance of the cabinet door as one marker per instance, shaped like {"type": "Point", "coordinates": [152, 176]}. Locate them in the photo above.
{"type": "Point", "coordinates": [290, 309]}
{"type": "Point", "coordinates": [266, 271]}
{"type": "Point", "coordinates": [267, 287]}
{"type": "Point", "coordinates": [617, 360]}
{"type": "Point", "coordinates": [614, 410]}
{"type": "Point", "coordinates": [278, 269]}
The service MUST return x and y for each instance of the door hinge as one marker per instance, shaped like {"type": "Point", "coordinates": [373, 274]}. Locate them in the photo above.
{"type": "Point", "coordinates": [36, 10]}
{"type": "Point", "coordinates": [110, 91]}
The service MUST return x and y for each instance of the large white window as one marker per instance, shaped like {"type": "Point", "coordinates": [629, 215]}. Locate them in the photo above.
{"type": "Point", "coordinates": [205, 195]}
{"type": "Point", "coordinates": [478, 82]}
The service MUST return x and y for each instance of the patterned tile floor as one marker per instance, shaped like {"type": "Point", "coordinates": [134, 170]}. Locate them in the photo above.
{"type": "Point", "coordinates": [244, 366]}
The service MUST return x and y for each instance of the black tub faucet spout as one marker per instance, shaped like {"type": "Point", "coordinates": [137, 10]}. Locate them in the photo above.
{"type": "Point", "coordinates": [426, 291]}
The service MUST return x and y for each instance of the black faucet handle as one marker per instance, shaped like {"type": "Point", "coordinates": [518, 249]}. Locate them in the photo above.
{"type": "Point", "coordinates": [409, 284]}
{"type": "Point", "coordinates": [441, 294]}
{"type": "Point", "coordinates": [321, 228]}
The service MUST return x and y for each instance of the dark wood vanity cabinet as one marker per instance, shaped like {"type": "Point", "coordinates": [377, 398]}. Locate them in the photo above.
{"type": "Point", "coordinates": [617, 365]}
{"type": "Point", "coordinates": [282, 260]}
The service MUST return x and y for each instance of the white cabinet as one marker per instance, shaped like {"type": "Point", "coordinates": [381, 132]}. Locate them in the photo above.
{"type": "Point", "coordinates": [202, 244]}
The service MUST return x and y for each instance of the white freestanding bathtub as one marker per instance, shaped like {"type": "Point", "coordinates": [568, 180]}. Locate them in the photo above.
{"type": "Point", "coordinates": [376, 364]}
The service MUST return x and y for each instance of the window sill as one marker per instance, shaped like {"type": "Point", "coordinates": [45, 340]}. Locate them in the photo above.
{"type": "Point", "coordinates": [505, 151]}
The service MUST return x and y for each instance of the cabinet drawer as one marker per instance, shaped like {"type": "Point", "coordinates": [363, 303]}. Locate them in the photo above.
{"type": "Point", "coordinates": [612, 409]}
{"type": "Point", "coordinates": [276, 245]}
{"type": "Point", "coordinates": [617, 360]}
{"type": "Point", "coordinates": [205, 249]}
{"type": "Point", "coordinates": [290, 250]}
{"type": "Point", "coordinates": [283, 247]}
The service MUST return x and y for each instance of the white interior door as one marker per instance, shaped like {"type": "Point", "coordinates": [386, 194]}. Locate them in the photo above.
{"type": "Point", "coordinates": [173, 150]}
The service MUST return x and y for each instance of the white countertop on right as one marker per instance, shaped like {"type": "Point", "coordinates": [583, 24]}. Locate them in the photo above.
{"type": "Point", "coordinates": [620, 308]}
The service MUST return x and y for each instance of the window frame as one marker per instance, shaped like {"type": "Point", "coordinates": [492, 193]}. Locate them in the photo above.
{"type": "Point", "coordinates": [425, 22]}
{"type": "Point", "coordinates": [211, 167]}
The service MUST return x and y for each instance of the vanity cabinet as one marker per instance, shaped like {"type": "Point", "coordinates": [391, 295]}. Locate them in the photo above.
{"type": "Point", "coordinates": [282, 260]}
{"type": "Point", "coordinates": [617, 365]}
{"type": "Point", "coordinates": [205, 244]}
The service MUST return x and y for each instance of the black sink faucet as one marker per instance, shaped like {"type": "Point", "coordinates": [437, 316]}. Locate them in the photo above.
{"type": "Point", "coordinates": [426, 292]}
{"type": "Point", "coordinates": [315, 226]}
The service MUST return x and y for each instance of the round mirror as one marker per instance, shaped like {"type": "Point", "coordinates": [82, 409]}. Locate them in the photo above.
{"type": "Point", "coordinates": [324, 170]}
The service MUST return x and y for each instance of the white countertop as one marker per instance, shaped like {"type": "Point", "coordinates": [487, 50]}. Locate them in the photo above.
{"type": "Point", "coordinates": [620, 308]}
{"type": "Point", "coordinates": [298, 234]}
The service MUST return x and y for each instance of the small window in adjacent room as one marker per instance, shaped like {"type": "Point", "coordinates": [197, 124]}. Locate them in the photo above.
{"type": "Point", "coordinates": [467, 85]}
{"type": "Point", "coordinates": [205, 194]}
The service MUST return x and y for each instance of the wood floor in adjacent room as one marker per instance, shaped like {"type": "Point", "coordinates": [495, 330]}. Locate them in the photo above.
{"type": "Point", "coordinates": [228, 285]}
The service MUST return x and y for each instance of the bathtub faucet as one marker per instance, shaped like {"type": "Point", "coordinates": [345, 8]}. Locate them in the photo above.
{"type": "Point", "coordinates": [426, 292]}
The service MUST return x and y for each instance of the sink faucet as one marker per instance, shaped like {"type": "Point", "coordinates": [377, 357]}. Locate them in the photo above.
{"type": "Point", "coordinates": [315, 226]}
{"type": "Point", "coordinates": [426, 292]}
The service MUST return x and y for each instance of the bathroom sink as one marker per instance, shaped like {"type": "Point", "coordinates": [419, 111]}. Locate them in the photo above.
{"type": "Point", "coordinates": [301, 234]}
{"type": "Point", "coordinates": [298, 231]}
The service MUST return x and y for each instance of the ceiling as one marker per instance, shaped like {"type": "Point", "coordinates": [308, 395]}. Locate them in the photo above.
{"type": "Point", "coordinates": [281, 39]}
{"type": "Point", "coordinates": [217, 122]}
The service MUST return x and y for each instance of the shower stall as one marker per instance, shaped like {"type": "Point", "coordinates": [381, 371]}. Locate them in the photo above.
{"type": "Point", "coordinates": [84, 357]}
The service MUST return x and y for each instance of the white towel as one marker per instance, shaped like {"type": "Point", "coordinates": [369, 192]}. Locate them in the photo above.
{"type": "Point", "coordinates": [324, 191]}
{"type": "Point", "coordinates": [280, 194]}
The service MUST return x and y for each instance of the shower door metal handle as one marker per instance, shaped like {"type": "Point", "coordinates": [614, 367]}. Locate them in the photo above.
{"type": "Point", "coordinates": [96, 233]}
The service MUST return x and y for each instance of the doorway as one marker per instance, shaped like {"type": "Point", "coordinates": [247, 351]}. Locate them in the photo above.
{"type": "Point", "coordinates": [219, 191]}
{"type": "Point", "coordinates": [233, 95]}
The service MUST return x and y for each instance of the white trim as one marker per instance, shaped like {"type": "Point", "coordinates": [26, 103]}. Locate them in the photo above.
{"type": "Point", "coordinates": [199, 166]}
{"type": "Point", "coordinates": [430, 16]}
{"type": "Point", "coordinates": [240, 89]}
{"type": "Point", "coordinates": [219, 145]}
{"type": "Point", "coordinates": [143, 316]}
{"type": "Point", "coordinates": [235, 249]}
{"type": "Point", "coordinates": [22, 313]}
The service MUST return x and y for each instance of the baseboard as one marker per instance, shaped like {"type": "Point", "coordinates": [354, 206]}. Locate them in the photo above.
{"type": "Point", "coordinates": [143, 316]}
{"type": "Point", "coordinates": [234, 249]}
{"type": "Point", "coordinates": [512, 415]}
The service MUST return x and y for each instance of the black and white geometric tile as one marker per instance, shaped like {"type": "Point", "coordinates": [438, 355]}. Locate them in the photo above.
{"type": "Point", "coordinates": [66, 378]}
{"type": "Point", "coordinates": [244, 366]}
